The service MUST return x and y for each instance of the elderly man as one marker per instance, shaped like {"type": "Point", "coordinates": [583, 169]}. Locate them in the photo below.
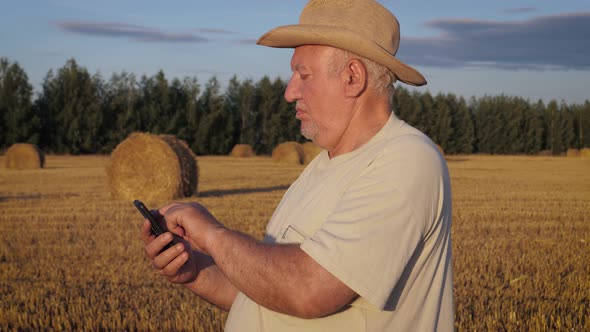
{"type": "Point", "coordinates": [361, 241]}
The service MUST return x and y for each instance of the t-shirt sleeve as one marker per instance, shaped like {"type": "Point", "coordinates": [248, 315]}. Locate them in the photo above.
{"type": "Point", "coordinates": [372, 233]}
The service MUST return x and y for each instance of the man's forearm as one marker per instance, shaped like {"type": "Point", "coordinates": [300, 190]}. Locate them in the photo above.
{"type": "Point", "coordinates": [274, 276]}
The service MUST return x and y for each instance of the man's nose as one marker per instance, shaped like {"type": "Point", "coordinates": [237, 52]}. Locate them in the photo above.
{"type": "Point", "coordinates": [292, 92]}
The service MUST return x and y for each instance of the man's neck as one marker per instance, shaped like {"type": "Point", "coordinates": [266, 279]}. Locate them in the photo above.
{"type": "Point", "coordinates": [369, 116]}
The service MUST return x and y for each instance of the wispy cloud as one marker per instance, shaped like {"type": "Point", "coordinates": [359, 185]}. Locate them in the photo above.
{"type": "Point", "coordinates": [124, 30]}
{"type": "Point", "coordinates": [520, 10]}
{"type": "Point", "coordinates": [214, 31]}
{"type": "Point", "coordinates": [542, 43]}
{"type": "Point", "coordinates": [245, 41]}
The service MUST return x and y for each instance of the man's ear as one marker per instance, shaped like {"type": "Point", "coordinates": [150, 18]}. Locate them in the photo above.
{"type": "Point", "coordinates": [356, 78]}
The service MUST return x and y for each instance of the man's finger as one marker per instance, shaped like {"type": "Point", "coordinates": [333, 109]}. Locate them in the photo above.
{"type": "Point", "coordinates": [146, 232]}
{"type": "Point", "coordinates": [162, 211]}
{"type": "Point", "coordinates": [153, 248]}
{"type": "Point", "coordinates": [171, 269]}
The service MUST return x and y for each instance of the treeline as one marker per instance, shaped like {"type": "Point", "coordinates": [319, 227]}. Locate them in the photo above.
{"type": "Point", "coordinates": [79, 113]}
{"type": "Point", "coordinates": [496, 124]}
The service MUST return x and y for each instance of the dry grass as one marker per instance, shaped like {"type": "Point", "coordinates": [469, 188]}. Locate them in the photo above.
{"type": "Point", "coordinates": [242, 151]}
{"type": "Point", "coordinates": [310, 151]}
{"type": "Point", "coordinates": [288, 153]}
{"type": "Point", "coordinates": [24, 156]}
{"type": "Point", "coordinates": [573, 153]}
{"type": "Point", "coordinates": [522, 243]}
{"type": "Point", "coordinates": [71, 258]}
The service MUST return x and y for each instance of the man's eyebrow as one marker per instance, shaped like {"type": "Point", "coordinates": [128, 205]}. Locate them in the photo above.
{"type": "Point", "coordinates": [298, 67]}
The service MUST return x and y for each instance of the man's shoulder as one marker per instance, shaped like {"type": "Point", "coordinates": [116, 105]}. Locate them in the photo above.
{"type": "Point", "coordinates": [406, 152]}
{"type": "Point", "coordinates": [401, 138]}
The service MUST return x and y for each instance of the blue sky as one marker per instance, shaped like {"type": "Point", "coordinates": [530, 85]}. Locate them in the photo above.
{"type": "Point", "coordinates": [535, 49]}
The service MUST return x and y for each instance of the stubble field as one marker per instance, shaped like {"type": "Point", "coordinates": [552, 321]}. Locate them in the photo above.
{"type": "Point", "coordinates": [71, 257]}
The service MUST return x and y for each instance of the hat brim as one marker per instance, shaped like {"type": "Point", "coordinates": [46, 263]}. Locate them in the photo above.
{"type": "Point", "coordinates": [290, 36]}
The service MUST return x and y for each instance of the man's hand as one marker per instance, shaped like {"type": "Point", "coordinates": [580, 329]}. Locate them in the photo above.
{"type": "Point", "coordinates": [177, 264]}
{"type": "Point", "coordinates": [183, 263]}
{"type": "Point", "coordinates": [192, 222]}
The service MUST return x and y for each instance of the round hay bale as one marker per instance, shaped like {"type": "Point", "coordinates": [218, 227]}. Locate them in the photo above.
{"type": "Point", "coordinates": [152, 168]}
{"type": "Point", "coordinates": [189, 170]}
{"type": "Point", "coordinates": [242, 151]}
{"type": "Point", "coordinates": [440, 149]}
{"type": "Point", "coordinates": [585, 152]}
{"type": "Point", "coordinates": [24, 156]}
{"type": "Point", "coordinates": [288, 153]}
{"type": "Point", "coordinates": [573, 153]}
{"type": "Point", "coordinates": [310, 151]}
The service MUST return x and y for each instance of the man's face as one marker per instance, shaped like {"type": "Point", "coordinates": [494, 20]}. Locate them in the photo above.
{"type": "Point", "coordinates": [318, 94]}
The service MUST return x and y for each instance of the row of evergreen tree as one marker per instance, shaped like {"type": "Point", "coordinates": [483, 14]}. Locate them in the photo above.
{"type": "Point", "coordinates": [79, 113]}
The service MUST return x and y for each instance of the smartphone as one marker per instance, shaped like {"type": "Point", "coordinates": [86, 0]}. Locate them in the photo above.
{"type": "Point", "coordinates": [157, 229]}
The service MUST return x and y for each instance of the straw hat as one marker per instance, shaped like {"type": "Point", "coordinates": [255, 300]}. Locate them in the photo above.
{"type": "Point", "coordinates": [363, 27]}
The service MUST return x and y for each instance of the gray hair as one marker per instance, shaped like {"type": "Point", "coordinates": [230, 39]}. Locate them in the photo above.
{"type": "Point", "coordinates": [380, 78]}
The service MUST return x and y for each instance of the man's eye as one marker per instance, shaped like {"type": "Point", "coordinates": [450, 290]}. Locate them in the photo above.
{"type": "Point", "coordinates": [304, 76]}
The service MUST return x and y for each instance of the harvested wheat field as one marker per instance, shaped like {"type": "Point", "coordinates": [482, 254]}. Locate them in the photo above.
{"type": "Point", "coordinates": [71, 257]}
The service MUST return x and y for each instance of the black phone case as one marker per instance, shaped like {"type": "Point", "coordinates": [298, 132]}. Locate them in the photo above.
{"type": "Point", "coordinates": [156, 228]}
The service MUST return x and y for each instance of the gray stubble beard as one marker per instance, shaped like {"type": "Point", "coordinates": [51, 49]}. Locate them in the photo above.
{"type": "Point", "coordinates": [309, 130]}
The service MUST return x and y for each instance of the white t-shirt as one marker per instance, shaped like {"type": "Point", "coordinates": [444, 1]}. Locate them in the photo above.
{"type": "Point", "coordinates": [379, 219]}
